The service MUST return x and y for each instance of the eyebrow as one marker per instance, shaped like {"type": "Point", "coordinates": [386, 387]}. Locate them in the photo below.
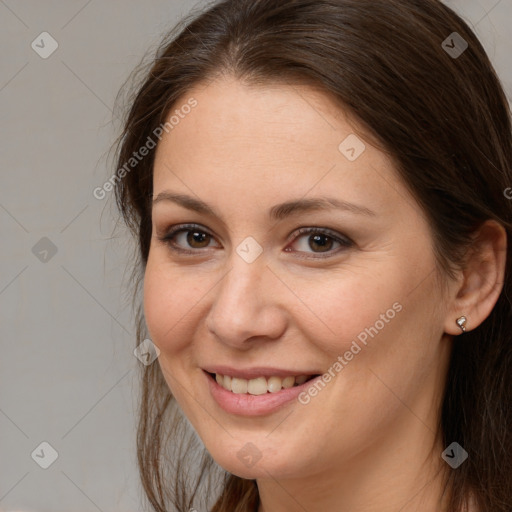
{"type": "Point", "coordinates": [277, 212]}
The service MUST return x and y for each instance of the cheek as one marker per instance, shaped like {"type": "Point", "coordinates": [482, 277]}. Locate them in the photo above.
{"type": "Point", "coordinates": [384, 332]}
{"type": "Point", "coordinates": [169, 300]}
{"type": "Point", "coordinates": [349, 306]}
{"type": "Point", "coordinates": [368, 322]}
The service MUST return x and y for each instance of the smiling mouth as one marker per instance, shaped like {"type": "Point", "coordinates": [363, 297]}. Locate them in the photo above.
{"type": "Point", "coordinates": [259, 385]}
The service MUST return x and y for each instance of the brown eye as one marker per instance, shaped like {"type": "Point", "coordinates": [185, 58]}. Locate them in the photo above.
{"type": "Point", "coordinates": [317, 241]}
{"type": "Point", "coordinates": [188, 238]}
{"type": "Point", "coordinates": [323, 242]}
{"type": "Point", "coordinates": [197, 237]}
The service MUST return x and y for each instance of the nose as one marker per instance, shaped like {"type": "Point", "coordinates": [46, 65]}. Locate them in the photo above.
{"type": "Point", "coordinates": [245, 307]}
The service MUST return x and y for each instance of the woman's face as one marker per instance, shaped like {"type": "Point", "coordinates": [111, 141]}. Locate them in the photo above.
{"type": "Point", "coordinates": [244, 292]}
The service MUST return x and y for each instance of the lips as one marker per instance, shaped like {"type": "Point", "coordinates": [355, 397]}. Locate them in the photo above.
{"type": "Point", "coordinates": [259, 385]}
{"type": "Point", "coordinates": [248, 404]}
{"type": "Point", "coordinates": [260, 371]}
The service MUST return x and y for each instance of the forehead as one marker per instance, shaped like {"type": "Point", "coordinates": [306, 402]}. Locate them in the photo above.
{"type": "Point", "coordinates": [270, 141]}
{"type": "Point", "coordinates": [231, 114]}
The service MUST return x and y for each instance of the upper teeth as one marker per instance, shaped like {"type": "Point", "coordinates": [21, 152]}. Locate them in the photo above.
{"type": "Point", "coordinates": [258, 386]}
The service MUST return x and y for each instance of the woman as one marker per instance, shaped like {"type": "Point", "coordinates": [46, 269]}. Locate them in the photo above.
{"type": "Point", "coordinates": [317, 192]}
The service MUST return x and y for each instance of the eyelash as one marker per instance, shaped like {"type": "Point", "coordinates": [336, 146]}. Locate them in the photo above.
{"type": "Point", "coordinates": [168, 239]}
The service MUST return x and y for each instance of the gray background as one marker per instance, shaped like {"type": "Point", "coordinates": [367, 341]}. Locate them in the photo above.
{"type": "Point", "coordinates": [67, 369]}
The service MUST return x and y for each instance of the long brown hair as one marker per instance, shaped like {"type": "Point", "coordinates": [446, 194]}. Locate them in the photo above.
{"type": "Point", "coordinates": [445, 121]}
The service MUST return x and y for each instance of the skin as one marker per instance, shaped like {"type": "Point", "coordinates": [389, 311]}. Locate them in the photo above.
{"type": "Point", "coordinates": [367, 441]}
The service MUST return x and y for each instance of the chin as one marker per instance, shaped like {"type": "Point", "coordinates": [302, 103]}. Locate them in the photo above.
{"type": "Point", "coordinates": [247, 461]}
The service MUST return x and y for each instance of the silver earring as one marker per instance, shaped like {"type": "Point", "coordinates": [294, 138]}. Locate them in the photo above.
{"type": "Point", "coordinates": [461, 322]}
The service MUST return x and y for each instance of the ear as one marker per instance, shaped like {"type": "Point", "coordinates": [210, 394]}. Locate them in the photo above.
{"type": "Point", "coordinates": [481, 280]}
